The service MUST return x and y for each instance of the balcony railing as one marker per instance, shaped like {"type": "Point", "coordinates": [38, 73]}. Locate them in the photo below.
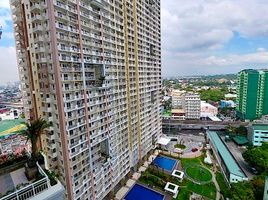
{"type": "Point", "coordinates": [32, 189]}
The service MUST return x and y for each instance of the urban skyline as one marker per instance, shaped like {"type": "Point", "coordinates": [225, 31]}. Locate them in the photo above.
{"type": "Point", "coordinates": [224, 43]}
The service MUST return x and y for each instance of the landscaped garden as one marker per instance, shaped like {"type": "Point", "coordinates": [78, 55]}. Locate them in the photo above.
{"type": "Point", "coordinates": [181, 146]}
{"type": "Point", "coordinates": [153, 177]}
{"type": "Point", "coordinates": [198, 173]}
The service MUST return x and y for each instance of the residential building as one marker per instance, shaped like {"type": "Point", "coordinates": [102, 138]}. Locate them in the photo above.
{"type": "Point", "coordinates": [93, 69]}
{"type": "Point", "coordinates": [208, 110]}
{"type": "Point", "coordinates": [177, 96]}
{"type": "Point", "coordinates": [252, 94]}
{"type": "Point", "coordinates": [228, 165]}
{"type": "Point", "coordinates": [191, 105]}
{"type": "Point", "coordinates": [258, 131]}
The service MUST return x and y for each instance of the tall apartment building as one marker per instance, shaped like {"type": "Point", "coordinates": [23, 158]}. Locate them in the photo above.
{"type": "Point", "coordinates": [191, 105]}
{"type": "Point", "coordinates": [252, 94]}
{"type": "Point", "coordinates": [92, 68]}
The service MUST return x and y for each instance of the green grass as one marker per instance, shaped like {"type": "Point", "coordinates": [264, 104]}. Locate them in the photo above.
{"type": "Point", "coordinates": [184, 193]}
{"type": "Point", "coordinates": [225, 190]}
{"type": "Point", "coordinates": [198, 173]}
{"type": "Point", "coordinates": [167, 113]}
{"type": "Point", "coordinates": [181, 146]}
{"type": "Point", "coordinates": [207, 190]}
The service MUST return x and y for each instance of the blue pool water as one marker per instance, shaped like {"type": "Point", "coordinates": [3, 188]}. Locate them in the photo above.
{"type": "Point", "coordinates": [138, 192]}
{"type": "Point", "coordinates": [165, 163]}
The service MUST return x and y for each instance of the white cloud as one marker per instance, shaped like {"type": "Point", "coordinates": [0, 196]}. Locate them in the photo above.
{"type": "Point", "coordinates": [193, 31]}
{"type": "Point", "coordinates": [4, 4]}
{"type": "Point", "coordinates": [198, 63]}
{"type": "Point", "coordinates": [8, 65]}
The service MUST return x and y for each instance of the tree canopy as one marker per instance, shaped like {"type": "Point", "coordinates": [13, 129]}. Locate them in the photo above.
{"type": "Point", "coordinates": [257, 157]}
{"type": "Point", "coordinates": [213, 94]}
{"type": "Point", "coordinates": [242, 191]}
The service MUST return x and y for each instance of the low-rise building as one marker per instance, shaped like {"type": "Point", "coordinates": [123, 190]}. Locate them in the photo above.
{"type": "Point", "coordinates": [178, 114]}
{"type": "Point", "coordinates": [208, 110]}
{"type": "Point", "coordinates": [258, 134]}
{"type": "Point", "coordinates": [229, 167]}
{"type": "Point", "coordinates": [258, 131]}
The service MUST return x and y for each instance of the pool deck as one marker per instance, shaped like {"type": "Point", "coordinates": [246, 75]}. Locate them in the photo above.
{"type": "Point", "coordinates": [134, 179]}
{"type": "Point", "coordinates": [175, 167]}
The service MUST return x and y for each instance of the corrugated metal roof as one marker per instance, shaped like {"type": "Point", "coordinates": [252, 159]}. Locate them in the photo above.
{"type": "Point", "coordinates": [225, 154]}
{"type": "Point", "coordinates": [261, 127]}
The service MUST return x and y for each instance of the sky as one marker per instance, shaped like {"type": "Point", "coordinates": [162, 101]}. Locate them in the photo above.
{"type": "Point", "coordinates": [199, 37]}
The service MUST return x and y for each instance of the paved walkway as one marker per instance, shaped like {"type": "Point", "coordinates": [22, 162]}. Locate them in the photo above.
{"type": "Point", "coordinates": [218, 194]}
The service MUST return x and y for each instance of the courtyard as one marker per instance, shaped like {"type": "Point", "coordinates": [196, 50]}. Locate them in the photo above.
{"type": "Point", "coordinates": [197, 179]}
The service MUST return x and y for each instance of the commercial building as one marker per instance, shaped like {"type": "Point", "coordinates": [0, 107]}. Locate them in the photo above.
{"type": "Point", "coordinates": [191, 105]}
{"type": "Point", "coordinates": [258, 131]}
{"type": "Point", "coordinates": [93, 69]}
{"type": "Point", "coordinates": [252, 94]}
{"type": "Point", "coordinates": [229, 167]}
{"type": "Point", "coordinates": [208, 110]}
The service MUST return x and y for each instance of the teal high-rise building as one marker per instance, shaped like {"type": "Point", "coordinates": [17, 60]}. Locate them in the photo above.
{"type": "Point", "coordinates": [252, 94]}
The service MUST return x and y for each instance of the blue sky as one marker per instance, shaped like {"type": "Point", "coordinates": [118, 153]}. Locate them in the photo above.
{"type": "Point", "coordinates": [198, 37]}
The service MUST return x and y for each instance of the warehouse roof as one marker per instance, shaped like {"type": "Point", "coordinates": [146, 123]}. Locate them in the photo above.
{"type": "Point", "coordinates": [225, 154]}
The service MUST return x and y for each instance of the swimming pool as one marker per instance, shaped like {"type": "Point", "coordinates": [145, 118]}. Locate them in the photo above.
{"type": "Point", "coordinates": [165, 163]}
{"type": "Point", "coordinates": [139, 192]}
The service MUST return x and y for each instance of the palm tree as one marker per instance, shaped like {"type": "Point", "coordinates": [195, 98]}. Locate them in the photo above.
{"type": "Point", "coordinates": [33, 132]}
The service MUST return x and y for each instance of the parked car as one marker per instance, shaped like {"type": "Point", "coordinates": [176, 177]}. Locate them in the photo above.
{"type": "Point", "coordinates": [254, 171]}
{"type": "Point", "coordinates": [194, 149]}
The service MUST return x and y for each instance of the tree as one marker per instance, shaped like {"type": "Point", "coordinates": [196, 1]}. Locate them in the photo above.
{"type": "Point", "coordinates": [257, 157]}
{"type": "Point", "coordinates": [258, 184]}
{"type": "Point", "coordinates": [242, 191]}
{"type": "Point", "coordinates": [241, 130]}
{"type": "Point", "coordinates": [33, 132]}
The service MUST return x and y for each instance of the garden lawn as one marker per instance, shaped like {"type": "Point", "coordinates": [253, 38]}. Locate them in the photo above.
{"type": "Point", "coordinates": [207, 190]}
{"type": "Point", "coordinates": [181, 146]}
{"type": "Point", "coordinates": [198, 173]}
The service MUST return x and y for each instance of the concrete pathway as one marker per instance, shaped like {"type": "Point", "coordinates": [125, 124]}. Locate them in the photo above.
{"type": "Point", "coordinates": [218, 190]}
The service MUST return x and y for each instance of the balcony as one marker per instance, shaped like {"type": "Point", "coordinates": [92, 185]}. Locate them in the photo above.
{"type": "Point", "coordinates": [42, 187]}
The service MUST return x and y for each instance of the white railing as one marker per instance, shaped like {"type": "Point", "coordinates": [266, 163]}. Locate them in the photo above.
{"type": "Point", "coordinates": [30, 190]}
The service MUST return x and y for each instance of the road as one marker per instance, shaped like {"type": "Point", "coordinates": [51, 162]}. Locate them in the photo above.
{"type": "Point", "coordinates": [237, 153]}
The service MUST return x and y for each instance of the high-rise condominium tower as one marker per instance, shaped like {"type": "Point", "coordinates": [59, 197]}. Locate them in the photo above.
{"type": "Point", "coordinates": [252, 94]}
{"type": "Point", "coordinates": [92, 68]}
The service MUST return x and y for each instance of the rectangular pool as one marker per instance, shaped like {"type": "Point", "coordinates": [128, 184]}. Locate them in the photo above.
{"type": "Point", "coordinates": [165, 163]}
{"type": "Point", "coordinates": [139, 192]}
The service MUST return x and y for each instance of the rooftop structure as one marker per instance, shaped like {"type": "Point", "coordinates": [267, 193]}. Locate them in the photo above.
{"type": "Point", "coordinates": [240, 140]}
{"type": "Point", "coordinates": [232, 172]}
